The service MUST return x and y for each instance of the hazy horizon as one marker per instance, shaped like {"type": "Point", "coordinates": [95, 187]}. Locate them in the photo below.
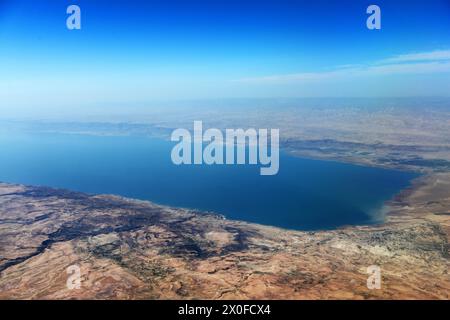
{"type": "Point", "coordinates": [134, 51]}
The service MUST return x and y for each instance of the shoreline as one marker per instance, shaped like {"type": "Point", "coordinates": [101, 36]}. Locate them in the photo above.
{"type": "Point", "coordinates": [158, 252]}
{"type": "Point", "coordinates": [298, 154]}
{"type": "Point", "coordinates": [136, 249]}
{"type": "Point", "coordinates": [391, 205]}
{"type": "Point", "coordinates": [223, 216]}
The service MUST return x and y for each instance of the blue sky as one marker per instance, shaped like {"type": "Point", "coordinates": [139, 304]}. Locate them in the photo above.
{"type": "Point", "coordinates": [136, 51]}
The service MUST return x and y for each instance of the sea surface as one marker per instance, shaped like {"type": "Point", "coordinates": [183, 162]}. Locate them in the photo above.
{"type": "Point", "coordinates": [305, 195]}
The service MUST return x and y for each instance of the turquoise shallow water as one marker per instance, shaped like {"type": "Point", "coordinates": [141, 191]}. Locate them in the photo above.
{"type": "Point", "coordinates": [305, 194]}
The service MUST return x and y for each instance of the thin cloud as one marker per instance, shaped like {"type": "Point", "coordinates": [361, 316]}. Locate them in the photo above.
{"type": "Point", "coordinates": [423, 56]}
{"type": "Point", "coordinates": [417, 63]}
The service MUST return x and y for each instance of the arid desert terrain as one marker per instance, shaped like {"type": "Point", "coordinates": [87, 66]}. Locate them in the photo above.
{"type": "Point", "coordinates": [130, 249]}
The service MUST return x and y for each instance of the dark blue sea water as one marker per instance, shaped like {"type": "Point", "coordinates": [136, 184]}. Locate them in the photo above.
{"type": "Point", "coordinates": [305, 195]}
